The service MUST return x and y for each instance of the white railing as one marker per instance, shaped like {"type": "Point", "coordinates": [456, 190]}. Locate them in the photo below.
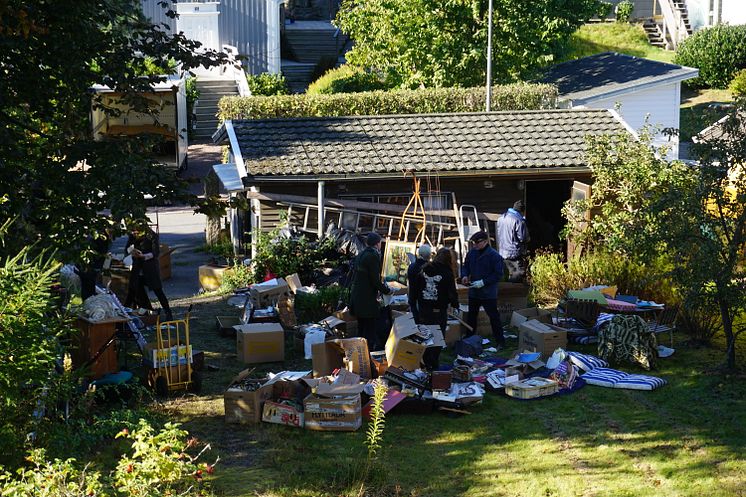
{"type": "Point", "coordinates": [674, 28]}
{"type": "Point", "coordinates": [234, 66]}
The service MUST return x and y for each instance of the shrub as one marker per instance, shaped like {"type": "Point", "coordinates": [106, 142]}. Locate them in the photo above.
{"type": "Point", "coordinates": [551, 278]}
{"type": "Point", "coordinates": [520, 96]}
{"type": "Point", "coordinates": [624, 11]}
{"type": "Point", "coordinates": [313, 307]}
{"type": "Point", "coordinates": [237, 276]}
{"type": "Point", "coordinates": [718, 52]}
{"type": "Point", "coordinates": [738, 85]}
{"type": "Point", "coordinates": [604, 10]}
{"type": "Point", "coordinates": [267, 84]}
{"type": "Point", "coordinates": [346, 79]}
{"type": "Point", "coordinates": [279, 255]}
{"type": "Point", "coordinates": [700, 320]}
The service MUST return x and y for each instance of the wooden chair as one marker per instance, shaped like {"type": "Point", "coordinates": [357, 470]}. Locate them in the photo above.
{"type": "Point", "coordinates": [665, 322]}
{"type": "Point", "coordinates": [585, 312]}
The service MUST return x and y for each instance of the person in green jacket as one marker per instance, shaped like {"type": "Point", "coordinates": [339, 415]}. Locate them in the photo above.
{"type": "Point", "coordinates": [366, 284]}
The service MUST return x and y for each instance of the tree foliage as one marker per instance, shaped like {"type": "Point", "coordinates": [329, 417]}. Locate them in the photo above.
{"type": "Point", "coordinates": [421, 43]}
{"type": "Point", "coordinates": [629, 175]}
{"type": "Point", "coordinates": [55, 179]}
{"type": "Point", "coordinates": [704, 225]}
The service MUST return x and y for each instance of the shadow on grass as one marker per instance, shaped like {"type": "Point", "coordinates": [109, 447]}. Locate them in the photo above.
{"type": "Point", "coordinates": [686, 437]}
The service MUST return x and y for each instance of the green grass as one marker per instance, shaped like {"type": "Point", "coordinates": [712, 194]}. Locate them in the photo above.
{"type": "Point", "coordinates": [613, 37]}
{"type": "Point", "coordinates": [686, 439]}
{"type": "Point", "coordinates": [696, 113]}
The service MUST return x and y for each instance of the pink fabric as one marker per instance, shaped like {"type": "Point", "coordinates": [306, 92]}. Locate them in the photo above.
{"type": "Point", "coordinates": [620, 305]}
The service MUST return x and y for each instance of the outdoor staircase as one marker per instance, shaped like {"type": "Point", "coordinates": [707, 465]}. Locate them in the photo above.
{"type": "Point", "coordinates": [210, 93]}
{"type": "Point", "coordinates": [308, 44]}
{"type": "Point", "coordinates": [654, 26]}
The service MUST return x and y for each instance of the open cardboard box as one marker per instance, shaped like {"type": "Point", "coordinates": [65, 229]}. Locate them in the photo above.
{"type": "Point", "coordinates": [243, 406]}
{"type": "Point", "coordinates": [341, 413]}
{"type": "Point", "coordinates": [523, 315]}
{"type": "Point", "coordinates": [404, 353]}
{"type": "Point", "coordinates": [347, 353]}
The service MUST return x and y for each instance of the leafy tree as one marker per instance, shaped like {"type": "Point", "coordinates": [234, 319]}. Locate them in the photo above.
{"type": "Point", "coordinates": [421, 43]}
{"type": "Point", "coordinates": [629, 175]}
{"type": "Point", "coordinates": [28, 339]}
{"type": "Point", "coordinates": [704, 225]}
{"type": "Point", "coordinates": [56, 180]}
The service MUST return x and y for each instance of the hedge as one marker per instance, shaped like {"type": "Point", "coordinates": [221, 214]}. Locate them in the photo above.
{"type": "Point", "coordinates": [346, 79]}
{"type": "Point", "coordinates": [519, 96]}
{"type": "Point", "coordinates": [718, 52]}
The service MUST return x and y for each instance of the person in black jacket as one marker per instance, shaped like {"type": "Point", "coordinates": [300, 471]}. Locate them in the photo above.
{"type": "Point", "coordinates": [366, 285]}
{"type": "Point", "coordinates": [143, 246]}
{"type": "Point", "coordinates": [413, 272]}
{"type": "Point", "coordinates": [436, 289]}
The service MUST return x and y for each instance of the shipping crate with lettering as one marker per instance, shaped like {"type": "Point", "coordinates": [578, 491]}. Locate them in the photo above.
{"type": "Point", "coordinates": [332, 414]}
{"type": "Point", "coordinates": [282, 414]}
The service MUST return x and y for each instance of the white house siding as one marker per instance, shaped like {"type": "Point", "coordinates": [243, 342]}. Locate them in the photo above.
{"type": "Point", "coordinates": [242, 24]}
{"type": "Point", "coordinates": [733, 11]}
{"type": "Point", "coordinates": [661, 103]}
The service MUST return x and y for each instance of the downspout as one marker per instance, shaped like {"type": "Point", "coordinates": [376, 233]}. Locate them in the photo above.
{"type": "Point", "coordinates": [320, 200]}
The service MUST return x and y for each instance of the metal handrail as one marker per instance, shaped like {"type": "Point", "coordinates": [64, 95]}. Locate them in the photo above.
{"type": "Point", "coordinates": [239, 75]}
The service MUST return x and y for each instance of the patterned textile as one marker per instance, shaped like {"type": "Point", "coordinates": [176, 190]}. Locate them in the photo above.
{"type": "Point", "coordinates": [586, 362]}
{"type": "Point", "coordinates": [583, 339]}
{"type": "Point", "coordinates": [611, 378]}
{"type": "Point", "coordinates": [628, 338]}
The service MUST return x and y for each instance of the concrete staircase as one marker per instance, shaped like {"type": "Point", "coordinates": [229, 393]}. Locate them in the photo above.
{"type": "Point", "coordinates": [210, 93]}
{"type": "Point", "coordinates": [309, 43]}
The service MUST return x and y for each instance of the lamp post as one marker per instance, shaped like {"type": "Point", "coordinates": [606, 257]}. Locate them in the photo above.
{"type": "Point", "coordinates": [489, 58]}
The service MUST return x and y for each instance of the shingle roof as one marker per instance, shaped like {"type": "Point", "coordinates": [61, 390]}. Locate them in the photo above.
{"type": "Point", "coordinates": [359, 145]}
{"type": "Point", "coordinates": [610, 72]}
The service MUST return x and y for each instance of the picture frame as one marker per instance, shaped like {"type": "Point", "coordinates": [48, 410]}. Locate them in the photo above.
{"type": "Point", "coordinates": [397, 257]}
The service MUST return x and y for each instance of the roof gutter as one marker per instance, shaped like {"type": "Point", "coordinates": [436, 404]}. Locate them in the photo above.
{"type": "Point", "coordinates": [631, 89]}
{"type": "Point", "coordinates": [235, 149]}
{"type": "Point", "coordinates": [524, 173]}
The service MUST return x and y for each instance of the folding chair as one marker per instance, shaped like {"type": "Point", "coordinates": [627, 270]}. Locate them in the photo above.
{"type": "Point", "coordinates": [584, 312]}
{"type": "Point", "coordinates": [665, 322]}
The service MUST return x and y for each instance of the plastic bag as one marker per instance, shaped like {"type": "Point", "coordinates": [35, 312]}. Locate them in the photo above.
{"type": "Point", "coordinates": [313, 335]}
{"type": "Point", "coordinates": [558, 356]}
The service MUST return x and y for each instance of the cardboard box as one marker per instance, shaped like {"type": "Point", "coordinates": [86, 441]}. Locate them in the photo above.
{"type": "Point", "coordinates": [347, 353]}
{"type": "Point", "coordinates": [350, 322]}
{"type": "Point", "coordinates": [541, 337]}
{"type": "Point", "coordinates": [293, 282]}
{"type": "Point", "coordinates": [523, 315]}
{"type": "Point", "coordinates": [268, 293]}
{"type": "Point", "coordinates": [242, 406]}
{"type": "Point", "coordinates": [211, 276]}
{"type": "Point", "coordinates": [286, 312]}
{"type": "Point", "coordinates": [260, 342]}
{"type": "Point", "coordinates": [164, 261]}
{"type": "Point", "coordinates": [404, 353]}
{"type": "Point", "coordinates": [453, 332]}
{"type": "Point", "coordinates": [167, 356]}
{"type": "Point", "coordinates": [282, 414]}
{"type": "Point", "coordinates": [344, 384]}
{"type": "Point", "coordinates": [332, 414]}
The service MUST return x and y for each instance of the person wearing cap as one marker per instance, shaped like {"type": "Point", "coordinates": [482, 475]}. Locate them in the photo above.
{"type": "Point", "coordinates": [413, 271]}
{"type": "Point", "coordinates": [512, 239]}
{"type": "Point", "coordinates": [481, 271]}
{"type": "Point", "coordinates": [366, 285]}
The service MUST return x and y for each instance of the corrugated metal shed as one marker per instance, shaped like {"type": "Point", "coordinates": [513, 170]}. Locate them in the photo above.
{"type": "Point", "coordinates": [243, 24]}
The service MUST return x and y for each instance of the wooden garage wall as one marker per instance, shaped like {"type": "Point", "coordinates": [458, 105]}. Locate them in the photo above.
{"type": "Point", "coordinates": [490, 194]}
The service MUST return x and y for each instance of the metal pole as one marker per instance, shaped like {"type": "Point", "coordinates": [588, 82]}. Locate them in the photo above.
{"type": "Point", "coordinates": [320, 201]}
{"type": "Point", "coordinates": [489, 58]}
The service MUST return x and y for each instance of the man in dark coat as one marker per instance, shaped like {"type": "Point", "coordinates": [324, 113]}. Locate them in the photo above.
{"type": "Point", "coordinates": [512, 239]}
{"type": "Point", "coordinates": [413, 272]}
{"type": "Point", "coordinates": [366, 284]}
{"type": "Point", "coordinates": [481, 271]}
{"type": "Point", "coordinates": [143, 246]}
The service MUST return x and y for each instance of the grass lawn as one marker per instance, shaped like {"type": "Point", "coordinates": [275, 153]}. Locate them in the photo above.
{"type": "Point", "coordinates": [696, 113]}
{"type": "Point", "coordinates": [613, 37]}
{"type": "Point", "coordinates": [685, 439]}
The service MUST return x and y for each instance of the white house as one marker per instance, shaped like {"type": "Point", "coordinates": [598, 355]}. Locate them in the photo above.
{"type": "Point", "coordinates": [639, 88]}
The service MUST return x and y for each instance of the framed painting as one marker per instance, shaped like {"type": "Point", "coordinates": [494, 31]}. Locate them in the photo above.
{"type": "Point", "coordinates": [397, 257]}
